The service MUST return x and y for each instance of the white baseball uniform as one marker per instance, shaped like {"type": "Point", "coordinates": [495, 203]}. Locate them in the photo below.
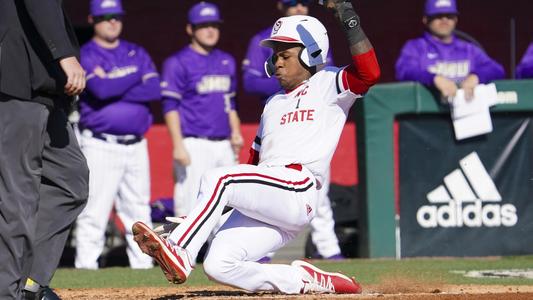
{"type": "Point", "coordinates": [119, 175]}
{"type": "Point", "coordinates": [275, 200]}
{"type": "Point", "coordinates": [114, 116]}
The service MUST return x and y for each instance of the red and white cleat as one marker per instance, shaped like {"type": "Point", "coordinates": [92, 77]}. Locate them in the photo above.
{"type": "Point", "coordinates": [173, 260]}
{"type": "Point", "coordinates": [319, 281]}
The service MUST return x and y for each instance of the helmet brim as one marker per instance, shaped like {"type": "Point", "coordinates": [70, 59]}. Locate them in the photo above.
{"type": "Point", "coordinates": [278, 39]}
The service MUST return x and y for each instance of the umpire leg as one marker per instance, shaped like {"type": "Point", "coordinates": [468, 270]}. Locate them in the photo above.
{"type": "Point", "coordinates": [63, 193]}
{"type": "Point", "coordinates": [22, 133]}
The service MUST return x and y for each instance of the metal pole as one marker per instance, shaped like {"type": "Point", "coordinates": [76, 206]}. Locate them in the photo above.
{"type": "Point", "coordinates": [513, 48]}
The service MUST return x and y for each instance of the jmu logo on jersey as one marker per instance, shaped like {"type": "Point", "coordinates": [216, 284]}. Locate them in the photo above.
{"type": "Point", "coordinates": [300, 115]}
{"type": "Point", "coordinates": [455, 69]}
{"type": "Point", "coordinates": [213, 83]}
{"type": "Point", "coordinates": [122, 72]}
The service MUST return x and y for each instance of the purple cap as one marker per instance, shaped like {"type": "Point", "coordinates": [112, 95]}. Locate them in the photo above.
{"type": "Point", "coordinates": [106, 7]}
{"type": "Point", "coordinates": [436, 7]}
{"type": "Point", "coordinates": [295, 2]}
{"type": "Point", "coordinates": [204, 12]}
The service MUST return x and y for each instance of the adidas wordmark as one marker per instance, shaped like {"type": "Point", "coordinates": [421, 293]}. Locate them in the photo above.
{"type": "Point", "coordinates": [468, 198]}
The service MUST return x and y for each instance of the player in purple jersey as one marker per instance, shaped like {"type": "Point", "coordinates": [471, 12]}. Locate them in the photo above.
{"type": "Point", "coordinates": [114, 116]}
{"type": "Point", "coordinates": [525, 68]}
{"type": "Point", "coordinates": [198, 90]}
{"type": "Point", "coordinates": [440, 59]}
{"type": "Point", "coordinates": [256, 82]}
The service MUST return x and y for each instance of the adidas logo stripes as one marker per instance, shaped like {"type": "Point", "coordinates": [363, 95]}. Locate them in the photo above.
{"type": "Point", "coordinates": [468, 198]}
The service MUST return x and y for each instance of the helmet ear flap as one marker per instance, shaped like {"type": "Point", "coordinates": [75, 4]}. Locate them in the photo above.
{"type": "Point", "coordinates": [270, 66]}
{"type": "Point", "coordinates": [303, 57]}
{"type": "Point", "coordinates": [311, 56]}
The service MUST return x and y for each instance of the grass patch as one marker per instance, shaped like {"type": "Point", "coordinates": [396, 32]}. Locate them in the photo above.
{"type": "Point", "coordinates": [401, 275]}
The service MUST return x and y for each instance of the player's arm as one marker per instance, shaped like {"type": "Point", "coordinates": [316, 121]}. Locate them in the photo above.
{"type": "Point", "coordinates": [236, 139]}
{"type": "Point", "coordinates": [149, 88]}
{"type": "Point", "coordinates": [484, 67]}
{"type": "Point", "coordinates": [236, 135]}
{"type": "Point", "coordinates": [105, 87]}
{"type": "Point", "coordinates": [408, 67]}
{"type": "Point", "coordinates": [364, 70]}
{"type": "Point", "coordinates": [172, 85]}
{"type": "Point", "coordinates": [525, 68]}
{"type": "Point", "coordinates": [179, 153]}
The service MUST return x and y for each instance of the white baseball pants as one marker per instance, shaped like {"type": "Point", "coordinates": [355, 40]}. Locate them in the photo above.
{"type": "Point", "coordinates": [272, 205]}
{"type": "Point", "coordinates": [323, 225]}
{"type": "Point", "coordinates": [204, 155]}
{"type": "Point", "coordinates": [119, 175]}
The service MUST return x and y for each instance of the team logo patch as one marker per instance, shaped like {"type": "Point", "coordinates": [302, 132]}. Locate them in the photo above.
{"type": "Point", "coordinates": [276, 27]}
{"type": "Point", "coordinates": [208, 11]}
{"type": "Point", "coordinates": [108, 4]}
{"type": "Point", "coordinates": [443, 3]}
{"type": "Point", "coordinates": [309, 209]}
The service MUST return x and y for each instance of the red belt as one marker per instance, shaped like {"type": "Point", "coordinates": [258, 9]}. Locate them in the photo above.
{"type": "Point", "coordinates": [296, 167]}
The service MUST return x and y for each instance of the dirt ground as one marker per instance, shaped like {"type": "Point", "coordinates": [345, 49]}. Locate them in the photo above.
{"type": "Point", "coordinates": [396, 291]}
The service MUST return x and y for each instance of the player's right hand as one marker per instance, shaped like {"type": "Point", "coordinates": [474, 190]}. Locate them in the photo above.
{"type": "Point", "coordinates": [447, 87]}
{"type": "Point", "coordinates": [75, 75]}
{"type": "Point", "coordinates": [181, 156]}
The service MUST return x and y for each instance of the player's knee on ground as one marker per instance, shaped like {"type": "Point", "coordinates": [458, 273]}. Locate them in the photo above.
{"type": "Point", "coordinates": [219, 268]}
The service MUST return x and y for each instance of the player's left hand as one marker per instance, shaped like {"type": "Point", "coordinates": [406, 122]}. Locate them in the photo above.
{"type": "Point", "coordinates": [236, 143]}
{"type": "Point", "coordinates": [468, 85]}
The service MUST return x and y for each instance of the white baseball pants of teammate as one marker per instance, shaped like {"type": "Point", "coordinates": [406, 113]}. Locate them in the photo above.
{"type": "Point", "coordinates": [204, 154]}
{"type": "Point", "coordinates": [272, 205]}
{"type": "Point", "coordinates": [323, 225]}
{"type": "Point", "coordinates": [119, 175]}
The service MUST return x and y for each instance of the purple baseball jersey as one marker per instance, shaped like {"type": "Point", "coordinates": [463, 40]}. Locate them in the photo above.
{"type": "Point", "coordinates": [255, 80]}
{"type": "Point", "coordinates": [202, 89]}
{"type": "Point", "coordinates": [117, 103]}
{"type": "Point", "coordinates": [525, 68]}
{"type": "Point", "coordinates": [423, 58]}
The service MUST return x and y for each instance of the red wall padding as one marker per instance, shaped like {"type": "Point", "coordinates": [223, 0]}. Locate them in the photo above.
{"type": "Point", "coordinates": [344, 163]}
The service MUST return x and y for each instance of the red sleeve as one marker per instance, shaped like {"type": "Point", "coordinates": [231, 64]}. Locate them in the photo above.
{"type": "Point", "coordinates": [363, 73]}
{"type": "Point", "coordinates": [253, 159]}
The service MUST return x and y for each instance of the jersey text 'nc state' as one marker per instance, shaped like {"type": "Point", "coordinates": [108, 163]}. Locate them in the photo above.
{"type": "Point", "coordinates": [297, 116]}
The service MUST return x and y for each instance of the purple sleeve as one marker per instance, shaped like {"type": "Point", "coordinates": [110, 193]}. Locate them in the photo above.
{"type": "Point", "coordinates": [409, 68]}
{"type": "Point", "coordinates": [254, 78]}
{"type": "Point", "coordinates": [485, 67]}
{"type": "Point", "coordinates": [106, 88]}
{"type": "Point", "coordinates": [149, 89]}
{"type": "Point", "coordinates": [233, 88]}
{"type": "Point", "coordinates": [525, 68]}
{"type": "Point", "coordinates": [172, 84]}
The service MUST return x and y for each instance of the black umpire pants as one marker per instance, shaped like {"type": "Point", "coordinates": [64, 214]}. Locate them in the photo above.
{"type": "Point", "coordinates": [43, 188]}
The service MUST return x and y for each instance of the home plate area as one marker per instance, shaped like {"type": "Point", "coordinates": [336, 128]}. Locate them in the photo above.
{"type": "Point", "coordinates": [397, 290]}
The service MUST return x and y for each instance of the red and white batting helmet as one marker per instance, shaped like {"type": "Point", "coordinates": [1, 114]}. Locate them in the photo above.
{"type": "Point", "coordinates": [305, 30]}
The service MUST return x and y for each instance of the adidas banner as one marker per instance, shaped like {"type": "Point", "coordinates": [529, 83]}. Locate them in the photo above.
{"type": "Point", "coordinates": [467, 198]}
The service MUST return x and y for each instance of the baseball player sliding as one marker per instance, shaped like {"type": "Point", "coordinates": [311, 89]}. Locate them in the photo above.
{"type": "Point", "coordinates": [275, 196]}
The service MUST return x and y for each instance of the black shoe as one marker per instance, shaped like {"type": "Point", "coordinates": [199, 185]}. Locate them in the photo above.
{"type": "Point", "coordinates": [44, 293]}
